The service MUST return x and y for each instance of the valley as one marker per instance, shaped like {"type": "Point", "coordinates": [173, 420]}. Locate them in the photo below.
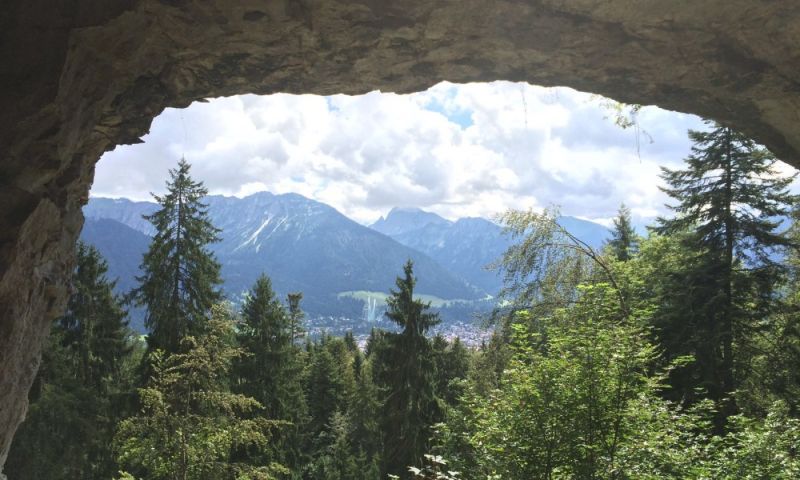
{"type": "Point", "coordinates": [339, 265]}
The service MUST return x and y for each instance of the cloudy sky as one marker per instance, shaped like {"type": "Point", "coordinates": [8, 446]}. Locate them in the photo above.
{"type": "Point", "coordinates": [457, 150]}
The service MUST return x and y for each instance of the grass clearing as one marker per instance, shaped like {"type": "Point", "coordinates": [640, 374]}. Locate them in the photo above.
{"type": "Point", "coordinates": [380, 298]}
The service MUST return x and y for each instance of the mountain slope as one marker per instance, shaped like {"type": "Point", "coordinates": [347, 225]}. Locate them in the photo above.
{"type": "Point", "coordinates": [594, 234]}
{"type": "Point", "coordinates": [120, 245]}
{"type": "Point", "coordinates": [465, 247]}
{"type": "Point", "coordinates": [310, 247]}
{"type": "Point", "coordinates": [124, 211]}
{"type": "Point", "coordinates": [302, 245]}
{"type": "Point", "coordinates": [468, 246]}
{"type": "Point", "coordinates": [401, 220]}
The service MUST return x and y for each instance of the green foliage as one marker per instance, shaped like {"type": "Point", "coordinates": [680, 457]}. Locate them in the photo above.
{"type": "Point", "coordinates": [180, 278]}
{"type": "Point", "coordinates": [671, 443]}
{"type": "Point", "coordinates": [664, 441]}
{"type": "Point", "coordinates": [190, 423]}
{"type": "Point", "coordinates": [603, 365]}
{"type": "Point", "coordinates": [623, 114]}
{"type": "Point", "coordinates": [406, 375]}
{"type": "Point", "coordinates": [561, 406]}
{"type": "Point", "coordinates": [624, 240]}
{"type": "Point", "coordinates": [729, 197]}
{"type": "Point", "coordinates": [271, 368]}
{"type": "Point", "coordinates": [326, 389]}
{"type": "Point", "coordinates": [760, 448]}
{"type": "Point", "coordinates": [410, 314]}
{"type": "Point", "coordinates": [578, 397]}
{"type": "Point", "coordinates": [265, 335]}
{"type": "Point", "coordinates": [335, 460]}
{"type": "Point", "coordinates": [434, 467]}
{"type": "Point", "coordinates": [344, 437]}
{"type": "Point", "coordinates": [775, 354]}
{"type": "Point", "coordinates": [365, 414]}
{"type": "Point", "coordinates": [489, 361]}
{"type": "Point", "coordinates": [452, 366]}
{"type": "Point", "coordinates": [676, 283]}
{"type": "Point", "coordinates": [295, 315]}
{"type": "Point", "coordinates": [542, 271]}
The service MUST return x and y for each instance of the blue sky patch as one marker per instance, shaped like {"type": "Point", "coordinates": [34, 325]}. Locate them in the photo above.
{"type": "Point", "coordinates": [460, 117]}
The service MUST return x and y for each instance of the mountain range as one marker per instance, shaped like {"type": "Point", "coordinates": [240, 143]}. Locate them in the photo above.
{"type": "Point", "coordinates": [308, 246]}
{"type": "Point", "coordinates": [468, 246]}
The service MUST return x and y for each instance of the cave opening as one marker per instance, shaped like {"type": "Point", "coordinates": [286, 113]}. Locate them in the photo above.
{"type": "Point", "coordinates": [458, 153]}
{"type": "Point", "coordinates": [80, 81]}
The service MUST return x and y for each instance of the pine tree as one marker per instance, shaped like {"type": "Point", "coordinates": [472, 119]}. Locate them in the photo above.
{"type": "Point", "coordinates": [327, 389]}
{"type": "Point", "coordinates": [265, 336]}
{"type": "Point", "coordinates": [452, 366]}
{"type": "Point", "coordinates": [75, 400]}
{"type": "Point", "coordinates": [365, 414]}
{"type": "Point", "coordinates": [410, 406]}
{"type": "Point", "coordinates": [295, 315]}
{"type": "Point", "coordinates": [95, 325]}
{"type": "Point", "coordinates": [271, 370]}
{"type": "Point", "coordinates": [729, 198]}
{"type": "Point", "coordinates": [335, 461]}
{"type": "Point", "coordinates": [180, 276]}
{"type": "Point", "coordinates": [191, 425]}
{"type": "Point", "coordinates": [774, 374]}
{"type": "Point", "coordinates": [623, 238]}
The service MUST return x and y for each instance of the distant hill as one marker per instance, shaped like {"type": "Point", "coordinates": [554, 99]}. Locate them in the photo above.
{"type": "Point", "coordinates": [594, 234]}
{"type": "Point", "coordinates": [303, 245]}
{"type": "Point", "coordinates": [124, 211]}
{"type": "Point", "coordinates": [467, 246]}
{"type": "Point", "coordinates": [122, 247]}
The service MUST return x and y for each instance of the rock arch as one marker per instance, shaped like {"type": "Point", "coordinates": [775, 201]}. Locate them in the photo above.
{"type": "Point", "coordinates": [80, 77]}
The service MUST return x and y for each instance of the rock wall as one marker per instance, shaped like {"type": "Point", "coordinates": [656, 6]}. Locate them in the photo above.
{"type": "Point", "coordinates": [81, 76]}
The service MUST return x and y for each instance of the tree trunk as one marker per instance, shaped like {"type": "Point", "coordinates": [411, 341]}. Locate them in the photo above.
{"type": "Point", "coordinates": [726, 334]}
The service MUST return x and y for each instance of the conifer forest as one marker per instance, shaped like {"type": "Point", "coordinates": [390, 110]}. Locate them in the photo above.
{"type": "Point", "coordinates": [673, 354]}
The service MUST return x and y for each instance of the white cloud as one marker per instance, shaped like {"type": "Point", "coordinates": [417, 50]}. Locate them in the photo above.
{"type": "Point", "coordinates": [458, 150]}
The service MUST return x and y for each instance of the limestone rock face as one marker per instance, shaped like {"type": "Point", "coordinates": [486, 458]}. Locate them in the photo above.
{"type": "Point", "coordinates": [79, 77]}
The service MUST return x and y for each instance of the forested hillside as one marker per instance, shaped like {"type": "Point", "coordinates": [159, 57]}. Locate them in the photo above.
{"type": "Point", "coordinates": [673, 356]}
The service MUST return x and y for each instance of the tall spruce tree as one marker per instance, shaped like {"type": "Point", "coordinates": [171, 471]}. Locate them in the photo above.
{"type": "Point", "coordinates": [94, 326]}
{"type": "Point", "coordinates": [365, 413]}
{"type": "Point", "coordinates": [75, 399]}
{"type": "Point", "coordinates": [407, 375]}
{"type": "Point", "coordinates": [270, 370]}
{"type": "Point", "coordinates": [265, 336]}
{"type": "Point", "coordinates": [330, 387]}
{"type": "Point", "coordinates": [181, 277]}
{"type": "Point", "coordinates": [295, 315]}
{"type": "Point", "coordinates": [729, 197]}
{"type": "Point", "coordinates": [330, 384]}
{"type": "Point", "coordinates": [623, 238]}
{"type": "Point", "coordinates": [775, 374]}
